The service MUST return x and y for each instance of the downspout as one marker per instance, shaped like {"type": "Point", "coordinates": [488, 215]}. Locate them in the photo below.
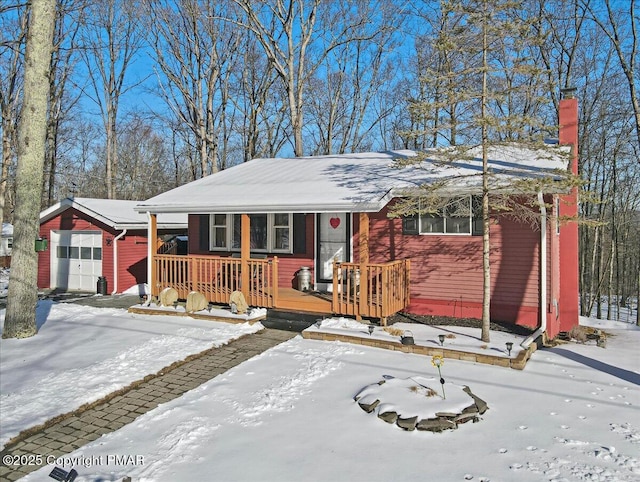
{"type": "Point", "coordinates": [115, 261]}
{"type": "Point", "coordinates": [543, 276]}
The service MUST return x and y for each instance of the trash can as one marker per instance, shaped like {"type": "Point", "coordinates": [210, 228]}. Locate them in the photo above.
{"type": "Point", "coordinates": [304, 279]}
{"type": "Point", "coordinates": [102, 285]}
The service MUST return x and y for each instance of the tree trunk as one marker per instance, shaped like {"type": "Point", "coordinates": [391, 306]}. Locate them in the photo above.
{"type": "Point", "coordinates": [6, 163]}
{"type": "Point", "coordinates": [486, 226]}
{"type": "Point", "coordinates": [20, 319]}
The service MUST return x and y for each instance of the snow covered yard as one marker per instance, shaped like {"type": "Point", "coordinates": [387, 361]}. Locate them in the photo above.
{"type": "Point", "coordinates": [82, 354]}
{"type": "Point", "coordinates": [289, 414]}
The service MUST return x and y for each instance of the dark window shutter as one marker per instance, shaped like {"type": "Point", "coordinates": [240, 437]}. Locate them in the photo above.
{"type": "Point", "coordinates": [410, 224]}
{"type": "Point", "coordinates": [203, 233]}
{"type": "Point", "coordinates": [299, 233]}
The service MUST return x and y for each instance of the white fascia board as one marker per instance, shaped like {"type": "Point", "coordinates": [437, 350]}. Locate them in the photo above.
{"type": "Point", "coordinates": [133, 226]}
{"type": "Point", "coordinates": [67, 203]}
{"type": "Point", "coordinates": [264, 208]}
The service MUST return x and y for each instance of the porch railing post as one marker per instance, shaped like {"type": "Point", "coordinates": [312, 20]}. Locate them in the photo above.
{"type": "Point", "coordinates": [385, 294]}
{"type": "Point", "coordinates": [194, 269]}
{"type": "Point", "coordinates": [274, 281]}
{"type": "Point", "coordinates": [407, 283]}
{"type": "Point", "coordinates": [334, 299]}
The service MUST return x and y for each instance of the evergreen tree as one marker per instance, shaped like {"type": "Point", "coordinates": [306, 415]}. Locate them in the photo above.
{"type": "Point", "coordinates": [486, 89]}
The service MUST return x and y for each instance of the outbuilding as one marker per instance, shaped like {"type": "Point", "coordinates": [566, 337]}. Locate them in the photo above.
{"type": "Point", "coordinates": [85, 239]}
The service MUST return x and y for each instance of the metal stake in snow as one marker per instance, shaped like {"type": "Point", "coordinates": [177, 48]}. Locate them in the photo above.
{"type": "Point", "coordinates": [437, 361]}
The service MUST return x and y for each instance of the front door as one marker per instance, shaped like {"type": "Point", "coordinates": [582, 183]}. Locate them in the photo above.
{"type": "Point", "coordinates": [333, 244]}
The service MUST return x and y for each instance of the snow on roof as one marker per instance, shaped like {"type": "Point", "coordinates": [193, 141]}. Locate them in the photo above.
{"type": "Point", "coordinates": [362, 182]}
{"type": "Point", "coordinates": [116, 213]}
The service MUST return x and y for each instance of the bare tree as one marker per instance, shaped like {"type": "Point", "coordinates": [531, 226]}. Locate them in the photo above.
{"type": "Point", "coordinates": [350, 99]}
{"type": "Point", "coordinates": [576, 52]}
{"type": "Point", "coordinates": [195, 51]}
{"type": "Point", "coordinates": [298, 35]}
{"type": "Point", "coordinates": [20, 319]}
{"type": "Point", "coordinates": [144, 160]}
{"type": "Point", "coordinates": [13, 23]}
{"type": "Point", "coordinates": [110, 44]}
{"type": "Point", "coordinates": [69, 19]}
{"type": "Point", "coordinates": [621, 28]}
{"type": "Point", "coordinates": [258, 102]}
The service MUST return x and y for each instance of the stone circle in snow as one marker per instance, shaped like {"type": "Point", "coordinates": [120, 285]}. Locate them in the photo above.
{"type": "Point", "coordinates": [419, 403]}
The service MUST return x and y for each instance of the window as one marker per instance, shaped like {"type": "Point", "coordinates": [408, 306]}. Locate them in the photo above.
{"type": "Point", "coordinates": [218, 231]}
{"type": "Point", "coordinates": [258, 235]}
{"type": "Point", "coordinates": [281, 228]}
{"type": "Point", "coordinates": [459, 216]}
{"type": "Point", "coordinates": [269, 232]}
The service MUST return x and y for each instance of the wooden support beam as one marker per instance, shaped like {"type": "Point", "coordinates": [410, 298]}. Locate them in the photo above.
{"type": "Point", "coordinates": [245, 253]}
{"type": "Point", "coordinates": [364, 238]}
{"type": "Point", "coordinates": [363, 289]}
{"type": "Point", "coordinates": [153, 250]}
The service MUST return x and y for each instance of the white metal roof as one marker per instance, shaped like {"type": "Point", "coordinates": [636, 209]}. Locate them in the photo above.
{"type": "Point", "coordinates": [363, 182]}
{"type": "Point", "coordinates": [116, 213]}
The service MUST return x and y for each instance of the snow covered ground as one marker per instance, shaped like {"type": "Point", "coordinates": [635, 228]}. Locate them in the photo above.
{"type": "Point", "coordinates": [289, 414]}
{"type": "Point", "coordinates": [82, 354]}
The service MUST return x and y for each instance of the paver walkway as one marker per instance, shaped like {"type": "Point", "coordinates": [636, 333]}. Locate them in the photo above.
{"type": "Point", "coordinates": [114, 412]}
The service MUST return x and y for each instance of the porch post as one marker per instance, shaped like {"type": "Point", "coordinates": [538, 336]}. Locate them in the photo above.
{"type": "Point", "coordinates": [152, 247]}
{"type": "Point", "coordinates": [245, 253]}
{"type": "Point", "coordinates": [364, 260]}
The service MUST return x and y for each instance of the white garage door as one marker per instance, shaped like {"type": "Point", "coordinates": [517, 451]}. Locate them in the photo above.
{"type": "Point", "coordinates": [76, 259]}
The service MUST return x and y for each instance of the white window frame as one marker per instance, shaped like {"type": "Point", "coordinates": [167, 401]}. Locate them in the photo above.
{"type": "Point", "coordinates": [423, 232]}
{"type": "Point", "coordinates": [271, 228]}
{"type": "Point", "coordinates": [212, 229]}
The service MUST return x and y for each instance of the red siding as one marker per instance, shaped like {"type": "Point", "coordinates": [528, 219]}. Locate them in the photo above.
{"type": "Point", "coordinates": [446, 271]}
{"type": "Point", "coordinates": [288, 264]}
{"type": "Point", "coordinates": [132, 261]}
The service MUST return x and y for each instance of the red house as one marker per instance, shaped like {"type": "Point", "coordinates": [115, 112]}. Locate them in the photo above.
{"type": "Point", "coordinates": [313, 234]}
{"type": "Point", "coordinates": [92, 238]}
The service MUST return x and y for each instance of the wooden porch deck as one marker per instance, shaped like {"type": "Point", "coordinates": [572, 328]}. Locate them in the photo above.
{"type": "Point", "coordinates": [308, 302]}
{"type": "Point", "coordinates": [362, 290]}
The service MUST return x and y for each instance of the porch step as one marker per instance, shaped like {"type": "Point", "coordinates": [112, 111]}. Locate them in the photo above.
{"type": "Point", "coordinates": [291, 320]}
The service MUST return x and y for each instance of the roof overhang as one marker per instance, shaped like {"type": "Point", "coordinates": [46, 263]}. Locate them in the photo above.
{"type": "Point", "coordinates": [105, 218]}
{"type": "Point", "coordinates": [360, 182]}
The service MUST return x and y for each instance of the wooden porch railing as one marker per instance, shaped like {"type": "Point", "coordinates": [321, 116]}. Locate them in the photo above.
{"type": "Point", "coordinates": [216, 278]}
{"type": "Point", "coordinates": [170, 247]}
{"type": "Point", "coordinates": [371, 290]}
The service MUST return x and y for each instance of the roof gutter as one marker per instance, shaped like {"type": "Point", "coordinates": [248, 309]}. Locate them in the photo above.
{"type": "Point", "coordinates": [115, 261]}
{"type": "Point", "coordinates": [543, 275]}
